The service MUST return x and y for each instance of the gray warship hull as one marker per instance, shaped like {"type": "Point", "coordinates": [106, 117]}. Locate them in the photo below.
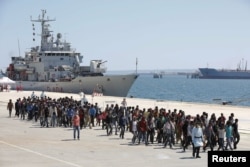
{"type": "Point", "coordinates": [108, 85]}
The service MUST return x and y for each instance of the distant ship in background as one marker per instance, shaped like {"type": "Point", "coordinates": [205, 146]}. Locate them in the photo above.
{"type": "Point", "coordinates": [240, 73]}
{"type": "Point", "coordinates": [158, 74]}
{"type": "Point", "coordinates": [54, 66]}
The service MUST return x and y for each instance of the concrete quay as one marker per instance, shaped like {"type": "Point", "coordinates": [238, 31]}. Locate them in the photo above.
{"type": "Point", "coordinates": [25, 144]}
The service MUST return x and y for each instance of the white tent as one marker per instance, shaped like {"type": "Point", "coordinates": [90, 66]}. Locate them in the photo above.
{"type": "Point", "coordinates": [6, 80]}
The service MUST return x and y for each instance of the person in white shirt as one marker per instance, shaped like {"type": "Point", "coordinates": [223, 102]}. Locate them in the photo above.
{"type": "Point", "coordinates": [134, 129]}
{"type": "Point", "coordinates": [42, 94]}
{"type": "Point", "coordinates": [221, 136]}
{"type": "Point", "coordinates": [197, 139]}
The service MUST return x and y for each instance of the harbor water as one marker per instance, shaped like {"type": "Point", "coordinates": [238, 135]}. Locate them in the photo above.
{"type": "Point", "coordinates": [182, 88]}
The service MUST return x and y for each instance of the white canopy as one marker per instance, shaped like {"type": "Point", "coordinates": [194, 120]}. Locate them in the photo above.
{"type": "Point", "coordinates": [6, 80]}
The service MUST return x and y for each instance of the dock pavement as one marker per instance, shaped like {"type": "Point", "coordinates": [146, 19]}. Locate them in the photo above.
{"type": "Point", "coordinates": [25, 144]}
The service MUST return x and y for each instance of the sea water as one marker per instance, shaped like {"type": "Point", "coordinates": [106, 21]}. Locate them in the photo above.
{"type": "Point", "coordinates": [182, 88]}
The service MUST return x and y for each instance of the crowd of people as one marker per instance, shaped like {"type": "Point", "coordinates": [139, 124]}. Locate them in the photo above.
{"type": "Point", "coordinates": [152, 125]}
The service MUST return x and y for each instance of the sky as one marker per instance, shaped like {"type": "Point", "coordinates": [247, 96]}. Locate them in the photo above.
{"type": "Point", "coordinates": [160, 34]}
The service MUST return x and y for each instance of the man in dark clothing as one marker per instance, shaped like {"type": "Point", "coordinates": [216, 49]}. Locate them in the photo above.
{"type": "Point", "coordinates": [46, 115]}
{"type": "Point", "coordinates": [10, 107]}
{"type": "Point", "coordinates": [17, 107]}
{"type": "Point", "coordinates": [108, 123]}
{"type": "Point", "coordinates": [209, 133]}
{"type": "Point", "coordinates": [159, 127]}
{"type": "Point", "coordinates": [236, 133]}
{"type": "Point", "coordinates": [151, 129]}
{"type": "Point", "coordinates": [122, 123]}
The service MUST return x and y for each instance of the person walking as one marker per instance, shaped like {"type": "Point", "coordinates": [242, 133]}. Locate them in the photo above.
{"type": "Point", "coordinates": [108, 123]}
{"type": "Point", "coordinates": [76, 126]}
{"type": "Point", "coordinates": [168, 129]}
{"type": "Point", "coordinates": [92, 114]}
{"type": "Point", "coordinates": [236, 133]}
{"type": "Point", "coordinates": [142, 125]}
{"type": "Point", "coordinates": [10, 107]}
{"type": "Point", "coordinates": [151, 128]}
{"type": "Point", "coordinates": [229, 135]}
{"type": "Point", "coordinates": [17, 107]}
{"type": "Point", "coordinates": [46, 117]}
{"type": "Point", "coordinates": [134, 129]}
{"type": "Point", "coordinates": [209, 133]}
{"type": "Point", "coordinates": [122, 123]}
{"type": "Point", "coordinates": [187, 133]}
{"type": "Point", "coordinates": [197, 139]}
{"type": "Point", "coordinates": [221, 136]}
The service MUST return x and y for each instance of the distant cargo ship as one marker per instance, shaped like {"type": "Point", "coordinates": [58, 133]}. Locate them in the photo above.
{"type": "Point", "coordinates": [211, 73]}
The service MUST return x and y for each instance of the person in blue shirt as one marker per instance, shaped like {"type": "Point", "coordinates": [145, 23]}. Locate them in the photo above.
{"type": "Point", "coordinates": [229, 135]}
{"type": "Point", "coordinates": [92, 113]}
{"type": "Point", "coordinates": [70, 114]}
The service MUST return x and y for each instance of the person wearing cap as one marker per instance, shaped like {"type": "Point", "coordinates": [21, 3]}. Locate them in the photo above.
{"type": "Point", "coordinates": [76, 125]}
{"type": "Point", "coordinates": [197, 139]}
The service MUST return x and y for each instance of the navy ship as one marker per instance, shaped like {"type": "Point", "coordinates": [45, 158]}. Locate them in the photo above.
{"type": "Point", "coordinates": [54, 66]}
{"type": "Point", "coordinates": [211, 73]}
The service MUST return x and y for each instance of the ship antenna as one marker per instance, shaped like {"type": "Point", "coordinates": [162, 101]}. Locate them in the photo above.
{"type": "Point", "coordinates": [136, 63]}
{"type": "Point", "coordinates": [45, 32]}
{"type": "Point", "coordinates": [18, 47]}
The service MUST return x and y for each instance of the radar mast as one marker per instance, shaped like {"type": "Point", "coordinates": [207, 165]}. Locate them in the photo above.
{"type": "Point", "coordinates": [45, 34]}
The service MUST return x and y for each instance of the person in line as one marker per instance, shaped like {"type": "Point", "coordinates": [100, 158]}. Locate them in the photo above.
{"type": "Point", "coordinates": [142, 125]}
{"type": "Point", "coordinates": [229, 135]}
{"type": "Point", "coordinates": [23, 109]}
{"type": "Point", "coordinates": [197, 139]}
{"type": "Point", "coordinates": [134, 130]}
{"type": "Point", "coordinates": [70, 114]}
{"type": "Point", "coordinates": [187, 134]}
{"type": "Point", "coordinates": [124, 103]}
{"type": "Point", "coordinates": [151, 128]}
{"type": "Point", "coordinates": [221, 136]}
{"type": "Point", "coordinates": [53, 118]}
{"type": "Point", "coordinates": [10, 107]}
{"type": "Point", "coordinates": [108, 123]}
{"type": "Point", "coordinates": [236, 133]}
{"type": "Point", "coordinates": [42, 95]}
{"type": "Point", "coordinates": [122, 123]}
{"type": "Point", "coordinates": [76, 126]}
{"type": "Point", "coordinates": [209, 133]}
{"type": "Point", "coordinates": [92, 113]}
{"type": "Point", "coordinates": [168, 129]}
{"type": "Point", "coordinates": [159, 128]}
{"type": "Point", "coordinates": [17, 107]}
{"type": "Point", "coordinates": [33, 96]}
{"type": "Point", "coordinates": [46, 117]}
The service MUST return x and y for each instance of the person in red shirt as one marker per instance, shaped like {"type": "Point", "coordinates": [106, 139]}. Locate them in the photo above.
{"type": "Point", "coordinates": [76, 125]}
{"type": "Point", "coordinates": [142, 130]}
